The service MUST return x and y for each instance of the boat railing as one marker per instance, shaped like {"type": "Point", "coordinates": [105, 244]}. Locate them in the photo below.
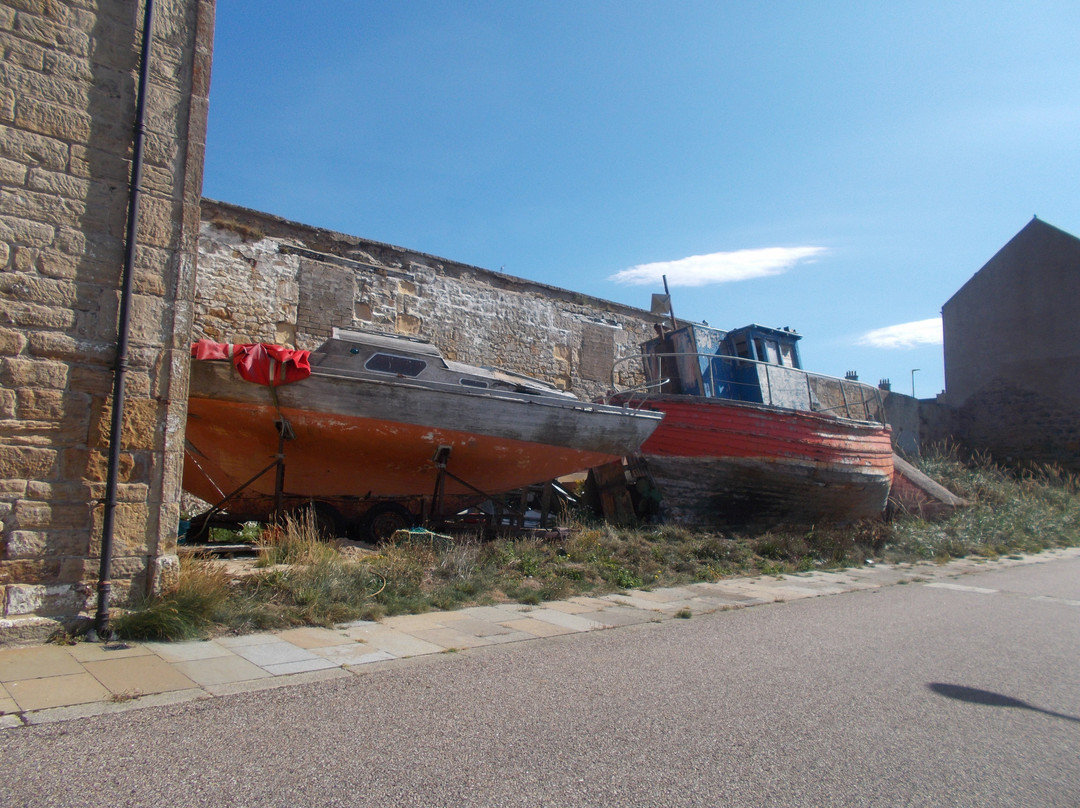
{"type": "Point", "coordinates": [775, 385]}
{"type": "Point", "coordinates": [627, 395]}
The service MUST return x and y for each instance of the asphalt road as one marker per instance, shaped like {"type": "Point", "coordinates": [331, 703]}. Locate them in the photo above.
{"type": "Point", "coordinates": [965, 693]}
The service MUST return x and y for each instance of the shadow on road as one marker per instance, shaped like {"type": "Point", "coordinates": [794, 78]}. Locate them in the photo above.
{"type": "Point", "coordinates": [976, 696]}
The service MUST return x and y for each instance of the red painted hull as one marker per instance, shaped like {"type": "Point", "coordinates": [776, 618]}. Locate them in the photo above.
{"type": "Point", "coordinates": [717, 461]}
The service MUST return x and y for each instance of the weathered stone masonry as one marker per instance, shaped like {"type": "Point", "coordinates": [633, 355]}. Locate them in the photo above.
{"type": "Point", "coordinates": [67, 87]}
{"type": "Point", "coordinates": [262, 278]}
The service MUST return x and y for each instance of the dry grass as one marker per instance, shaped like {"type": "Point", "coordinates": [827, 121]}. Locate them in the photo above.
{"type": "Point", "coordinates": [301, 580]}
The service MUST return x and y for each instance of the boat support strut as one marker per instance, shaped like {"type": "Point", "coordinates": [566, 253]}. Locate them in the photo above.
{"type": "Point", "coordinates": [440, 460]}
{"type": "Point", "coordinates": [285, 432]}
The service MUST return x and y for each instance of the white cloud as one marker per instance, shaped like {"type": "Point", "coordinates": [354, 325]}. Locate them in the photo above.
{"type": "Point", "coordinates": [904, 335]}
{"type": "Point", "coordinates": [721, 267]}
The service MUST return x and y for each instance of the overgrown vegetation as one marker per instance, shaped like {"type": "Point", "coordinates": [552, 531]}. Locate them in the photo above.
{"type": "Point", "coordinates": [301, 580]}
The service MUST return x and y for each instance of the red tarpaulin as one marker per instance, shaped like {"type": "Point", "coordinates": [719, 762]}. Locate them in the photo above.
{"type": "Point", "coordinates": [260, 363]}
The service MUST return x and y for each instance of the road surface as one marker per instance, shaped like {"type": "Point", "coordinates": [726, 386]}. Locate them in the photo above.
{"type": "Point", "coordinates": [963, 692]}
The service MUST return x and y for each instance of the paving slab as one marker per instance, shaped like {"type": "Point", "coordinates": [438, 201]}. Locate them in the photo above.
{"type": "Point", "coordinates": [189, 651]}
{"type": "Point", "coordinates": [494, 614]}
{"type": "Point", "coordinates": [247, 640]}
{"type": "Point", "coordinates": [570, 607]}
{"type": "Point", "coordinates": [57, 691]}
{"type": "Point", "coordinates": [276, 682]}
{"type": "Point", "coordinates": [277, 652]}
{"type": "Point", "coordinates": [482, 628]}
{"type": "Point", "coordinates": [20, 664]}
{"type": "Point", "coordinates": [355, 653]}
{"type": "Point", "coordinates": [7, 704]}
{"type": "Point", "coordinates": [614, 616]}
{"type": "Point", "coordinates": [450, 638]}
{"type": "Point", "coordinates": [56, 715]}
{"type": "Point", "coordinates": [411, 622]}
{"type": "Point", "coordinates": [97, 651]}
{"type": "Point", "coordinates": [138, 675]}
{"type": "Point", "coordinates": [538, 628]}
{"type": "Point", "coordinates": [312, 637]}
{"type": "Point", "coordinates": [574, 622]}
{"type": "Point", "coordinates": [403, 645]}
{"type": "Point", "coordinates": [300, 666]}
{"type": "Point", "coordinates": [220, 670]}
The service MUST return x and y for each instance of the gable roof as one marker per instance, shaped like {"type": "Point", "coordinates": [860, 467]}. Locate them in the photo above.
{"type": "Point", "coordinates": [1035, 238]}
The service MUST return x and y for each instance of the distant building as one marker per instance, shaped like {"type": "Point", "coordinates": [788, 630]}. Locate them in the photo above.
{"type": "Point", "coordinates": [1012, 350]}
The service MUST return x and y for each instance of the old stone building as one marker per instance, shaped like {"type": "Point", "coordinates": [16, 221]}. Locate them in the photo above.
{"type": "Point", "coordinates": [1012, 351]}
{"type": "Point", "coordinates": [265, 279]}
{"type": "Point", "coordinates": [68, 86]}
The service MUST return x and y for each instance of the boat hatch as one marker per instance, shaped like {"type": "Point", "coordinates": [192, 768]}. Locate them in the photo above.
{"type": "Point", "coordinates": [397, 365]}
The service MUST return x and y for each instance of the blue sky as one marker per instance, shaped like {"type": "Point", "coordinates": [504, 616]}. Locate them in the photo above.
{"type": "Point", "coordinates": [838, 167]}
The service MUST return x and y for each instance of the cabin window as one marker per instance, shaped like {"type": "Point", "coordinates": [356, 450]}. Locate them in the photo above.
{"type": "Point", "coordinates": [398, 365]}
{"type": "Point", "coordinates": [759, 350]}
{"type": "Point", "coordinates": [772, 351]}
{"type": "Point", "coordinates": [473, 383]}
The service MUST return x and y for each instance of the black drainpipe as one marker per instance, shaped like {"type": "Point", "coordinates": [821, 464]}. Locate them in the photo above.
{"type": "Point", "coordinates": [101, 630]}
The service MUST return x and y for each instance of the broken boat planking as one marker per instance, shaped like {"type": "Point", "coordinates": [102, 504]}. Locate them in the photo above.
{"type": "Point", "coordinates": [750, 437]}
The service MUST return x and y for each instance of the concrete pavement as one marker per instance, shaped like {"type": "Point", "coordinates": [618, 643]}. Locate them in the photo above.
{"type": "Point", "coordinates": [54, 683]}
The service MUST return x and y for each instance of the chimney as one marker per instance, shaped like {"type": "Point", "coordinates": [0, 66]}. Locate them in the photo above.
{"type": "Point", "coordinates": [885, 385]}
{"type": "Point", "coordinates": [852, 375]}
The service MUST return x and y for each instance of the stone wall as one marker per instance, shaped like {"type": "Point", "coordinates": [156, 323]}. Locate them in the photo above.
{"type": "Point", "coordinates": [67, 103]}
{"type": "Point", "coordinates": [262, 278]}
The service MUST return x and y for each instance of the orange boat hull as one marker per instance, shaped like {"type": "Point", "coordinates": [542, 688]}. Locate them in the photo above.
{"type": "Point", "coordinates": [358, 443]}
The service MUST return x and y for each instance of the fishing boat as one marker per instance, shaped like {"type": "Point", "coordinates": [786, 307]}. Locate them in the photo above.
{"type": "Point", "coordinates": [379, 431]}
{"type": "Point", "coordinates": [750, 437]}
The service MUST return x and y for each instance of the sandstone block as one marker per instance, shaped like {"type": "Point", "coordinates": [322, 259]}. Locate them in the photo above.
{"type": "Point", "coordinates": [47, 405]}
{"type": "Point", "coordinates": [25, 544]}
{"type": "Point", "coordinates": [67, 66]}
{"type": "Point", "coordinates": [11, 172]}
{"type": "Point", "coordinates": [9, 403]}
{"type": "Point", "coordinates": [54, 345]}
{"type": "Point", "coordinates": [27, 287]}
{"type": "Point", "coordinates": [52, 119]}
{"type": "Point", "coordinates": [11, 342]}
{"type": "Point", "coordinates": [56, 182]}
{"type": "Point", "coordinates": [164, 573]}
{"type": "Point", "coordinates": [34, 315]}
{"type": "Point", "coordinates": [23, 599]}
{"type": "Point", "coordinates": [19, 52]}
{"type": "Point", "coordinates": [52, 34]}
{"type": "Point", "coordinates": [16, 372]}
{"type": "Point", "coordinates": [92, 466]}
{"type": "Point", "coordinates": [27, 462]}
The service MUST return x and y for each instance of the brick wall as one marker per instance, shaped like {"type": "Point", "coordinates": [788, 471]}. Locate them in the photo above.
{"type": "Point", "coordinates": [262, 278]}
{"type": "Point", "coordinates": [67, 97]}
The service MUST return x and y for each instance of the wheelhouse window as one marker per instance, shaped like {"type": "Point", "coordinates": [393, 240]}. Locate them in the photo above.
{"type": "Point", "coordinates": [398, 365]}
{"type": "Point", "coordinates": [473, 383]}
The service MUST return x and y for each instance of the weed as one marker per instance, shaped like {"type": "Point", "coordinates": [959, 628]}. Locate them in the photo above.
{"type": "Point", "coordinates": [684, 614]}
{"type": "Point", "coordinates": [302, 580]}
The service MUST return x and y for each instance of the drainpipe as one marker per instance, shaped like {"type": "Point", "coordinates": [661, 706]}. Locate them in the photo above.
{"type": "Point", "coordinates": [101, 630]}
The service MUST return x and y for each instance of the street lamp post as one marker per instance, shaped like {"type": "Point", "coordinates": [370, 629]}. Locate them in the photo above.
{"type": "Point", "coordinates": [913, 372]}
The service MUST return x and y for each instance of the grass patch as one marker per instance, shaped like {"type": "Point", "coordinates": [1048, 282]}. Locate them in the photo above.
{"type": "Point", "coordinates": [302, 580]}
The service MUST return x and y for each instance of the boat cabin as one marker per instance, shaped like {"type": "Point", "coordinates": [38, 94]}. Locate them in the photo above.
{"type": "Point", "coordinates": [368, 354]}
{"type": "Point", "coordinates": [755, 364]}
{"type": "Point", "coordinates": [697, 360]}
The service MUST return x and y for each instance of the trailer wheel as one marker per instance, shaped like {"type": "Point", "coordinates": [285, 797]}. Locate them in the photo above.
{"type": "Point", "coordinates": [324, 518]}
{"type": "Point", "coordinates": [385, 519]}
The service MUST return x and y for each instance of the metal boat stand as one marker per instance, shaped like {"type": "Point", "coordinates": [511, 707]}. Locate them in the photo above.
{"type": "Point", "coordinates": [435, 514]}
{"type": "Point", "coordinates": [285, 433]}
